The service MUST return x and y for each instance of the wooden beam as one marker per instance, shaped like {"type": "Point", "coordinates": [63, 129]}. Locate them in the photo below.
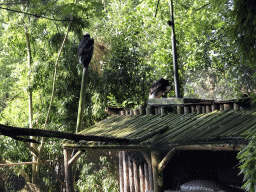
{"type": "Point", "coordinates": [108, 147]}
{"type": "Point", "coordinates": [16, 131]}
{"type": "Point", "coordinates": [24, 163]}
{"type": "Point", "coordinates": [166, 159]}
{"type": "Point", "coordinates": [74, 159]}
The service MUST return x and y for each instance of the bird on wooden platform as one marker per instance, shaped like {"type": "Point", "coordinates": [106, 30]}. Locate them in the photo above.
{"type": "Point", "coordinates": [158, 88]}
{"type": "Point", "coordinates": [85, 50]}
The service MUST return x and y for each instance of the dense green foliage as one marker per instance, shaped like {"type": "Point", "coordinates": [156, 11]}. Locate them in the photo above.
{"type": "Point", "coordinates": [133, 47]}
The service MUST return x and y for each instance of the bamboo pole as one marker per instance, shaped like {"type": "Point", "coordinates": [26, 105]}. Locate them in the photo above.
{"type": "Point", "coordinates": [150, 176]}
{"type": "Point", "coordinates": [198, 109]}
{"type": "Point", "coordinates": [146, 176]}
{"type": "Point", "coordinates": [24, 163]}
{"type": "Point", "coordinates": [121, 176]}
{"type": "Point", "coordinates": [174, 55]}
{"type": "Point", "coordinates": [131, 179]}
{"type": "Point", "coordinates": [136, 177]}
{"type": "Point", "coordinates": [141, 175]}
{"type": "Point", "coordinates": [125, 172]}
{"type": "Point", "coordinates": [82, 100]}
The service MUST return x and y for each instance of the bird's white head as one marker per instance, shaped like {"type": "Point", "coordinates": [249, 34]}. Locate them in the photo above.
{"type": "Point", "coordinates": [86, 34]}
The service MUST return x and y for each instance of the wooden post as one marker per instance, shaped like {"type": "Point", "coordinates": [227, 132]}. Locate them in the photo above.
{"type": "Point", "coordinates": [150, 176]}
{"type": "Point", "coordinates": [131, 179]}
{"type": "Point", "coordinates": [157, 175]}
{"type": "Point", "coordinates": [149, 110]}
{"type": "Point", "coordinates": [236, 106]}
{"type": "Point", "coordinates": [221, 107]}
{"type": "Point", "coordinates": [208, 108]}
{"type": "Point", "coordinates": [203, 109]}
{"type": "Point", "coordinates": [193, 109]}
{"type": "Point", "coordinates": [125, 172]}
{"type": "Point", "coordinates": [131, 112]}
{"type": "Point", "coordinates": [136, 177]}
{"type": "Point", "coordinates": [146, 176]}
{"type": "Point", "coordinates": [228, 107]}
{"type": "Point", "coordinates": [135, 112]}
{"type": "Point", "coordinates": [142, 179]}
{"type": "Point", "coordinates": [142, 110]}
{"type": "Point", "coordinates": [163, 111]}
{"type": "Point", "coordinates": [121, 173]}
{"type": "Point", "coordinates": [214, 107]}
{"type": "Point", "coordinates": [187, 109]}
{"type": "Point", "coordinates": [198, 109]}
{"type": "Point", "coordinates": [179, 109]}
{"type": "Point", "coordinates": [68, 171]}
{"type": "Point", "coordinates": [156, 110]}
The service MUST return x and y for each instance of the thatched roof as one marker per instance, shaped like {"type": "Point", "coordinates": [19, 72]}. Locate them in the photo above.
{"type": "Point", "coordinates": [217, 127]}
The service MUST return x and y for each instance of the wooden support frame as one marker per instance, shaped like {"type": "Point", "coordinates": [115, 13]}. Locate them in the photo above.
{"type": "Point", "coordinates": [157, 175]}
{"type": "Point", "coordinates": [74, 159]}
{"type": "Point", "coordinates": [166, 159]}
{"type": "Point", "coordinates": [68, 170]}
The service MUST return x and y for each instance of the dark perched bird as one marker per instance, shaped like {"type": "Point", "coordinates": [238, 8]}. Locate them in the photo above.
{"type": "Point", "coordinates": [85, 50]}
{"type": "Point", "coordinates": [158, 88]}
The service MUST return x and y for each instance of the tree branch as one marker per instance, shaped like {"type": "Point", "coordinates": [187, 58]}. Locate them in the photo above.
{"type": "Point", "coordinates": [35, 15]}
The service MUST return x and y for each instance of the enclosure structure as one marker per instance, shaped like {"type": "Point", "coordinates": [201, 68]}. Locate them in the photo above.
{"type": "Point", "coordinates": [169, 132]}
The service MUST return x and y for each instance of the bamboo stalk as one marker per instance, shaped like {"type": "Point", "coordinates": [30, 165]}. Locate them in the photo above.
{"type": "Point", "coordinates": [125, 172]}
{"type": "Point", "coordinates": [146, 176]}
{"type": "Point", "coordinates": [82, 100]}
{"type": "Point", "coordinates": [24, 163]}
{"type": "Point", "coordinates": [121, 176]}
{"type": "Point", "coordinates": [136, 177]}
{"type": "Point", "coordinates": [131, 176]}
{"type": "Point", "coordinates": [150, 176]}
{"type": "Point", "coordinates": [142, 179]}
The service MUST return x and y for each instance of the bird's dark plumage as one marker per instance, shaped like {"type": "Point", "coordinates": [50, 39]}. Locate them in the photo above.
{"type": "Point", "coordinates": [85, 50]}
{"type": "Point", "coordinates": [158, 88]}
